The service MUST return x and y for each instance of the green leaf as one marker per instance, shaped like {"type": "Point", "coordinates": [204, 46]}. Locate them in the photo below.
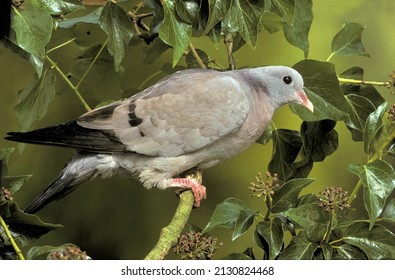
{"type": "Point", "coordinates": [311, 218]}
{"type": "Point", "coordinates": [372, 129]}
{"type": "Point", "coordinates": [188, 11]}
{"type": "Point", "coordinates": [22, 226]}
{"type": "Point", "coordinates": [286, 146]}
{"type": "Point", "coordinates": [271, 22]}
{"type": "Point", "coordinates": [232, 214]}
{"type": "Point", "coordinates": [153, 51]}
{"type": "Point", "coordinates": [361, 107]}
{"type": "Point", "coordinates": [378, 178]}
{"type": "Point", "coordinates": [266, 135]}
{"type": "Point", "coordinates": [377, 243]}
{"type": "Point", "coordinates": [299, 249]}
{"type": "Point", "coordinates": [355, 73]}
{"type": "Point", "coordinates": [173, 31]}
{"type": "Point", "coordinates": [323, 91]}
{"type": "Point", "coordinates": [93, 18]}
{"type": "Point", "coordinates": [327, 250]}
{"type": "Point", "coordinates": [319, 139]}
{"type": "Point", "coordinates": [217, 11]}
{"type": "Point", "coordinates": [297, 33]}
{"type": "Point", "coordinates": [116, 23]}
{"type": "Point", "coordinates": [59, 7]}
{"type": "Point", "coordinates": [348, 41]}
{"type": "Point", "coordinates": [273, 234]}
{"type": "Point", "coordinates": [351, 252]}
{"type": "Point", "coordinates": [389, 211]}
{"type": "Point", "coordinates": [286, 197]}
{"type": "Point", "coordinates": [14, 183]}
{"type": "Point", "coordinates": [33, 29]}
{"type": "Point", "coordinates": [243, 18]}
{"type": "Point", "coordinates": [284, 8]}
{"type": "Point", "coordinates": [4, 158]}
{"type": "Point", "coordinates": [34, 100]}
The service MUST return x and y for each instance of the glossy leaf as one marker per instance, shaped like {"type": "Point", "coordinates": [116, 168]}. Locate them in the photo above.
{"type": "Point", "coordinates": [313, 219]}
{"type": "Point", "coordinates": [372, 128]}
{"type": "Point", "coordinates": [377, 242]}
{"type": "Point", "coordinates": [286, 197]}
{"type": "Point", "coordinates": [284, 8]}
{"type": "Point", "coordinates": [174, 31]}
{"type": "Point", "coordinates": [323, 91]}
{"type": "Point", "coordinates": [351, 252]}
{"type": "Point", "coordinates": [273, 233]}
{"type": "Point", "coordinates": [355, 73]}
{"type": "Point", "coordinates": [59, 7]}
{"type": "Point", "coordinates": [378, 178]}
{"type": "Point", "coordinates": [33, 101]}
{"type": "Point", "coordinates": [299, 249]}
{"type": "Point", "coordinates": [320, 139]}
{"type": "Point", "coordinates": [348, 40]}
{"type": "Point", "coordinates": [217, 11]}
{"type": "Point", "coordinates": [33, 29]}
{"type": "Point", "coordinates": [271, 22]}
{"type": "Point", "coordinates": [361, 107]}
{"type": "Point", "coordinates": [92, 17]}
{"type": "Point", "coordinates": [116, 23]}
{"type": "Point", "coordinates": [286, 146]}
{"type": "Point", "coordinates": [389, 211]}
{"type": "Point", "coordinates": [297, 33]}
{"type": "Point", "coordinates": [232, 214]}
{"type": "Point", "coordinates": [242, 18]}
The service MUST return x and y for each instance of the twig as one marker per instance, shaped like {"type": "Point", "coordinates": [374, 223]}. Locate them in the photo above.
{"type": "Point", "coordinates": [170, 233]}
{"type": "Point", "coordinates": [12, 241]}
{"type": "Point", "coordinates": [137, 22]}
{"type": "Point", "coordinates": [362, 82]}
{"type": "Point", "coordinates": [61, 45]}
{"type": "Point", "coordinates": [71, 85]}
{"type": "Point", "coordinates": [229, 49]}
{"type": "Point", "coordinates": [196, 56]}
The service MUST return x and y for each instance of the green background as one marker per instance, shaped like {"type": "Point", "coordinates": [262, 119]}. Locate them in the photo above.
{"type": "Point", "coordinates": [118, 218]}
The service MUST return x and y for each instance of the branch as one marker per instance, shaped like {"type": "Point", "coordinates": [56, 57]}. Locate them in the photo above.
{"type": "Point", "coordinates": [229, 49]}
{"type": "Point", "coordinates": [170, 233]}
{"type": "Point", "coordinates": [11, 239]}
{"type": "Point", "coordinates": [196, 56]}
{"type": "Point", "coordinates": [362, 82]}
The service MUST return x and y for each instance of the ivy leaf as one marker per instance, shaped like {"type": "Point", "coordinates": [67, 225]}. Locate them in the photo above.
{"type": "Point", "coordinates": [173, 31]}
{"type": "Point", "coordinates": [273, 234]}
{"type": "Point", "coordinates": [323, 90]}
{"type": "Point", "coordinates": [327, 250]}
{"type": "Point", "coordinates": [287, 196]}
{"type": "Point", "coordinates": [372, 129]}
{"type": "Point", "coordinates": [299, 249]}
{"type": "Point", "coordinates": [297, 33]}
{"type": "Point", "coordinates": [116, 23]}
{"type": "Point", "coordinates": [217, 11]}
{"type": "Point", "coordinates": [33, 29]}
{"type": "Point", "coordinates": [243, 18]}
{"type": "Point", "coordinates": [351, 252]}
{"type": "Point", "coordinates": [232, 214]}
{"type": "Point", "coordinates": [348, 41]}
{"type": "Point", "coordinates": [271, 22]}
{"type": "Point", "coordinates": [378, 178]}
{"type": "Point", "coordinates": [154, 50]}
{"type": "Point", "coordinates": [361, 107]}
{"type": "Point", "coordinates": [4, 157]}
{"type": "Point", "coordinates": [286, 146]}
{"type": "Point", "coordinates": [59, 7]}
{"type": "Point", "coordinates": [376, 242]}
{"type": "Point", "coordinates": [93, 18]}
{"type": "Point", "coordinates": [389, 211]}
{"type": "Point", "coordinates": [284, 8]}
{"type": "Point", "coordinates": [266, 135]}
{"type": "Point", "coordinates": [34, 100]}
{"type": "Point", "coordinates": [14, 183]}
{"type": "Point", "coordinates": [311, 218]}
{"type": "Point", "coordinates": [320, 139]}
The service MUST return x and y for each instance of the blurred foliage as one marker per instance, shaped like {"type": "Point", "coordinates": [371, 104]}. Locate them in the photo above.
{"type": "Point", "coordinates": [319, 224]}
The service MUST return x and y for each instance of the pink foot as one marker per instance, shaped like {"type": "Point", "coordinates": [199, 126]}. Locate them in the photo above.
{"type": "Point", "coordinates": [199, 191]}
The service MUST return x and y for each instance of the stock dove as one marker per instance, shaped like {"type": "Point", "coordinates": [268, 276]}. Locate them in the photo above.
{"type": "Point", "coordinates": [190, 120]}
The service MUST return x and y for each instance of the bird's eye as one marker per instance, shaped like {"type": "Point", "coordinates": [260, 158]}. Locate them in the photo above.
{"type": "Point", "coordinates": [287, 80]}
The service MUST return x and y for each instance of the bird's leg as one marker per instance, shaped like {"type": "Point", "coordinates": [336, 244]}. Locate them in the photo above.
{"type": "Point", "coordinates": [192, 181]}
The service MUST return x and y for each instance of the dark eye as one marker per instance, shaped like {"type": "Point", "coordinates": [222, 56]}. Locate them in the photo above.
{"type": "Point", "coordinates": [287, 80]}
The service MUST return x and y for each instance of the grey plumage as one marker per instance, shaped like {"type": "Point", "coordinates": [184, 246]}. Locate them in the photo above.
{"type": "Point", "coordinates": [193, 119]}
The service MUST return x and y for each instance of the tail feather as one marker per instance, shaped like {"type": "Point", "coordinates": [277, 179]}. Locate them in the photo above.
{"type": "Point", "coordinates": [71, 135]}
{"type": "Point", "coordinates": [81, 168]}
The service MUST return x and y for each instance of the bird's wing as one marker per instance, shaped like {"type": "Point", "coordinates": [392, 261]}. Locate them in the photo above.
{"type": "Point", "coordinates": [178, 115]}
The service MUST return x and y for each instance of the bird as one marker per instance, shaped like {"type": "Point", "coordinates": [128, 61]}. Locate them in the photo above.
{"type": "Point", "coordinates": [189, 121]}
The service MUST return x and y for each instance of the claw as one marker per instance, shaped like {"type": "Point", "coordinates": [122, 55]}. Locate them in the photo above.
{"type": "Point", "coordinates": [198, 190]}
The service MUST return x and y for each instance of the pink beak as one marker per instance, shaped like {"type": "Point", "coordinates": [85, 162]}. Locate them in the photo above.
{"type": "Point", "coordinates": [304, 100]}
